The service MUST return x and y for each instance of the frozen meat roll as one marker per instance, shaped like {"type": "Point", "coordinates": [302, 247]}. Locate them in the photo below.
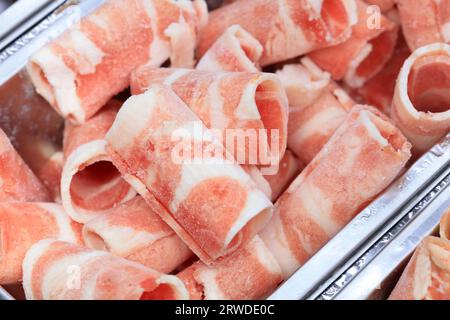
{"type": "Point", "coordinates": [364, 155]}
{"type": "Point", "coordinates": [17, 181]}
{"type": "Point", "coordinates": [133, 231]}
{"type": "Point", "coordinates": [57, 270]}
{"type": "Point", "coordinates": [248, 109]}
{"type": "Point", "coordinates": [90, 183]}
{"type": "Point", "coordinates": [50, 174]}
{"type": "Point", "coordinates": [427, 275]}
{"type": "Point", "coordinates": [379, 91]}
{"type": "Point", "coordinates": [22, 225]}
{"type": "Point", "coordinates": [424, 21]}
{"type": "Point", "coordinates": [310, 128]}
{"type": "Point", "coordinates": [384, 5]}
{"type": "Point", "coordinates": [365, 53]}
{"type": "Point", "coordinates": [444, 228]}
{"type": "Point", "coordinates": [235, 50]}
{"type": "Point", "coordinates": [285, 28]}
{"type": "Point", "coordinates": [317, 106]}
{"type": "Point", "coordinates": [250, 273]}
{"type": "Point", "coordinates": [91, 62]}
{"type": "Point", "coordinates": [163, 149]}
{"type": "Point", "coordinates": [288, 169]}
{"type": "Point", "coordinates": [304, 82]}
{"type": "Point", "coordinates": [421, 105]}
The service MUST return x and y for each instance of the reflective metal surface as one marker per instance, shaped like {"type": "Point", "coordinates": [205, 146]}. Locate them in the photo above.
{"type": "Point", "coordinates": [34, 128]}
{"type": "Point", "coordinates": [22, 15]}
{"type": "Point", "coordinates": [337, 256]}
{"type": "Point", "coordinates": [374, 274]}
{"type": "Point", "coordinates": [14, 56]}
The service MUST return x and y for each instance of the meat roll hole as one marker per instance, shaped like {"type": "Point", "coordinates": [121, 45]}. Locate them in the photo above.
{"type": "Point", "coordinates": [421, 105]}
{"type": "Point", "coordinates": [90, 183]}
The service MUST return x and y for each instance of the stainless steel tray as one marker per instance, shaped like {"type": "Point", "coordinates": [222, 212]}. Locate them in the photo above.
{"type": "Point", "coordinates": [22, 15]}
{"type": "Point", "coordinates": [373, 274]}
{"type": "Point", "coordinates": [4, 295]}
{"type": "Point", "coordinates": [407, 211]}
{"type": "Point", "coordinates": [333, 267]}
{"type": "Point", "coordinates": [51, 20]}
